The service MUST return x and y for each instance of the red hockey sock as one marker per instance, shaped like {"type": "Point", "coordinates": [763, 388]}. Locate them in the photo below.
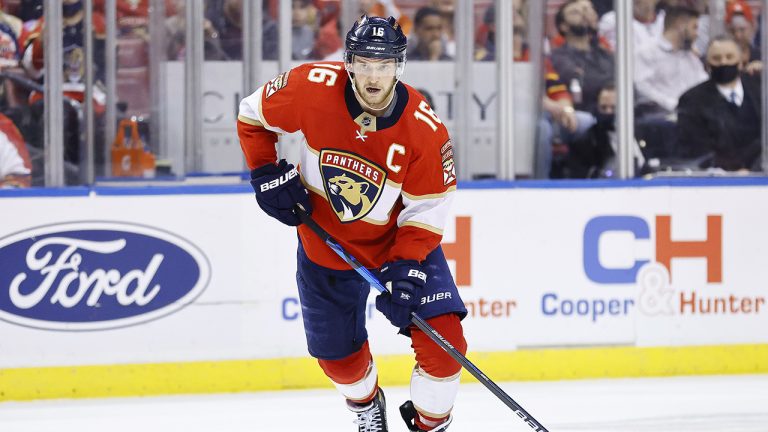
{"type": "Point", "coordinates": [355, 376]}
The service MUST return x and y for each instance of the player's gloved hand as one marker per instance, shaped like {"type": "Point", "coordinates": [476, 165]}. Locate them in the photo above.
{"type": "Point", "coordinates": [278, 189]}
{"type": "Point", "coordinates": [405, 279]}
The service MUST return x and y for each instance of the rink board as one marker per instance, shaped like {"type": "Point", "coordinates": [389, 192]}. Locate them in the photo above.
{"type": "Point", "coordinates": [191, 289]}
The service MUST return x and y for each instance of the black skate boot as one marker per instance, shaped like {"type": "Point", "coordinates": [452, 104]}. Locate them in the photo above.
{"type": "Point", "coordinates": [408, 411]}
{"type": "Point", "coordinates": [371, 417]}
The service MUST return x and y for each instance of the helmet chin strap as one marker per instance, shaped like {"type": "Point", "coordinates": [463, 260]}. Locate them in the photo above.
{"type": "Point", "coordinates": [362, 100]}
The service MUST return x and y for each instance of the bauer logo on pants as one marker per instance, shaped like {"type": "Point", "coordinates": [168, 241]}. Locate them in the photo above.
{"type": "Point", "coordinates": [352, 183]}
{"type": "Point", "coordinates": [97, 275]}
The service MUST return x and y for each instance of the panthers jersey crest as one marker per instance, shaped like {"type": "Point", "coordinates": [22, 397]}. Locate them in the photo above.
{"type": "Point", "coordinates": [352, 183]}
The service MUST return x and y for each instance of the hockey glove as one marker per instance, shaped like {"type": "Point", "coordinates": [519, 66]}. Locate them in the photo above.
{"type": "Point", "coordinates": [278, 189]}
{"type": "Point", "coordinates": [405, 279]}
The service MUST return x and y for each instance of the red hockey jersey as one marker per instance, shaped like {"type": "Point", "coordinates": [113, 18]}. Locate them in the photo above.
{"type": "Point", "coordinates": [381, 186]}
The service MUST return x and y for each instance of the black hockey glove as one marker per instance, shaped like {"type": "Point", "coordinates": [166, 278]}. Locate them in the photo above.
{"type": "Point", "coordinates": [278, 189]}
{"type": "Point", "coordinates": [407, 279]}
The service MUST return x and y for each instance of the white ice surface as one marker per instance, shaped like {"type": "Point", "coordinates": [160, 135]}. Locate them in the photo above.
{"type": "Point", "coordinates": [713, 403]}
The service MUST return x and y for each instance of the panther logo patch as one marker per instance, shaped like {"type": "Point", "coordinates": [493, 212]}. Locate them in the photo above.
{"type": "Point", "coordinates": [352, 183]}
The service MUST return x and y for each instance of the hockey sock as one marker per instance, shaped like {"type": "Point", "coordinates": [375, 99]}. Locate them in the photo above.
{"type": "Point", "coordinates": [432, 397]}
{"type": "Point", "coordinates": [435, 379]}
{"type": "Point", "coordinates": [355, 376]}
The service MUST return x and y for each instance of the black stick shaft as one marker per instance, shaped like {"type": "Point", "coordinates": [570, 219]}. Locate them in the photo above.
{"type": "Point", "coordinates": [424, 326]}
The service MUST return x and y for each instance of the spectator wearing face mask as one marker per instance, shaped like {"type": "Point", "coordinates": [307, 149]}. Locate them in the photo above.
{"type": "Point", "coordinates": [593, 155]}
{"type": "Point", "coordinates": [722, 115]}
{"type": "Point", "coordinates": [667, 67]}
{"type": "Point", "coordinates": [590, 13]}
{"type": "Point", "coordinates": [581, 64]}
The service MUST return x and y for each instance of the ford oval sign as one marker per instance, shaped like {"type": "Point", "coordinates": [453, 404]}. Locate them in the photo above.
{"type": "Point", "coordinates": [97, 275]}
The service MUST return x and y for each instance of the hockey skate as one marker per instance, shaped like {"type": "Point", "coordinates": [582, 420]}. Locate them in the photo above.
{"type": "Point", "coordinates": [408, 411]}
{"type": "Point", "coordinates": [371, 417]}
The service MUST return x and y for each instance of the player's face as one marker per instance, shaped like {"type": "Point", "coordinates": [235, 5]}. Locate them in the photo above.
{"type": "Point", "coordinates": [374, 79]}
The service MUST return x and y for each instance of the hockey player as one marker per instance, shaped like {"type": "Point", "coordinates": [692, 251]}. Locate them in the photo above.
{"type": "Point", "coordinates": [377, 173]}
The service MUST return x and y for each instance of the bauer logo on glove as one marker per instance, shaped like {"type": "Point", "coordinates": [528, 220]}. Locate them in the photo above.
{"type": "Point", "coordinates": [278, 190]}
{"type": "Point", "coordinates": [417, 274]}
{"type": "Point", "coordinates": [279, 181]}
{"type": "Point", "coordinates": [404, 279]}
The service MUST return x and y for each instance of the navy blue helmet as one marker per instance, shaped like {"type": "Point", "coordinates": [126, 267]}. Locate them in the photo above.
{"type": "Point", "coordinates": [375, 37]}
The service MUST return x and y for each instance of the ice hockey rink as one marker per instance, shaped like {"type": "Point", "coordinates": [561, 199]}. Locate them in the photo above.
{"type": "Point", "coordinates": [736, 403]}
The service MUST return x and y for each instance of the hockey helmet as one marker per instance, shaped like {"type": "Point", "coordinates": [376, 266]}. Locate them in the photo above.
{"type": "Point", "coordinates": [376, 37]}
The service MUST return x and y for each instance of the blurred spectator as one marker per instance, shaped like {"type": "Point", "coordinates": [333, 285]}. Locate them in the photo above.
{"type": "Point", "coordinates": [668, 67]}
{"type": "Point", "coordinates": [591, 17]}
{"type": "Point", "coordinates": [386, 8]}
{"type": "Point", "coordinates": [584, 65]}
{"type": "Point", "coordinates": [14, 163]}
{"type": "Point", "coordinates": [560, 122]}
{"type": "Point", "coordinates": [428, 43]}
{"type": "Point", "coordinates": [303, 19]}
{"type": "Point", "coordinates": [10, 53]}
{"type": "Point", "coordinates": [10, 33]}
{"type": "Point", "coordinates": [485, 35]}
{"type": "Point", "coordinates": [28, 10]}
{"type": "Point", "coordinates": [73, 49]}
{"type": "Point", "coordinates": [175, 34]}
{"type": "Point", "coordinates": [226, 17]}
{"type": "Point", "coordinates": [593, 154]}
{"type": "Point", "coordinates": [700, 6]}
{"type": "Point", "coordinates": [723, 114]}
{"type": "Point", "coordinates": [741, 25]}
{"type": "Point", "coordinates": [327, 38]}
{"type": "Point", "coordinates": [602, 7]}
{"type": "Point", "coordinates": [447, 10]}
{"type": "Point", "coordinates": [647, 25]}
{"type": "Point", "coordinates": [132, 16]}
{"type": "Point", "coordinates": [73, 86]}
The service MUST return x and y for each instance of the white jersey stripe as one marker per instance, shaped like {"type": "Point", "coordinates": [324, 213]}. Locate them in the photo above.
{"type": "Point", "coordinates": [250, 107]}
{"type": "Point", "coordinates": [427, 213]}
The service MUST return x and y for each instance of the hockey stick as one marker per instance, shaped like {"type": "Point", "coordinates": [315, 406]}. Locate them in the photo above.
{"type": "Point", "coordinates": [423, 325]}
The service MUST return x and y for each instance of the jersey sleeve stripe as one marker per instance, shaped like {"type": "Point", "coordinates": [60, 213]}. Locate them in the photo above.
{"type": "Point", "coordinates": [249, 121]}
{"type": "Point", "coordinates": [429, 196]}
{"type": "Point", "coordinates": [251, 108]}
{"type": "Point", "coordinates": [423, 213]}
{"type": "Point", "coordinates": [429, 228]}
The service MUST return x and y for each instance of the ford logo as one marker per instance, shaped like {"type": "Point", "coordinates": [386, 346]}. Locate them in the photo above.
{"type": "Point", "coordinates": [97, 275]}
